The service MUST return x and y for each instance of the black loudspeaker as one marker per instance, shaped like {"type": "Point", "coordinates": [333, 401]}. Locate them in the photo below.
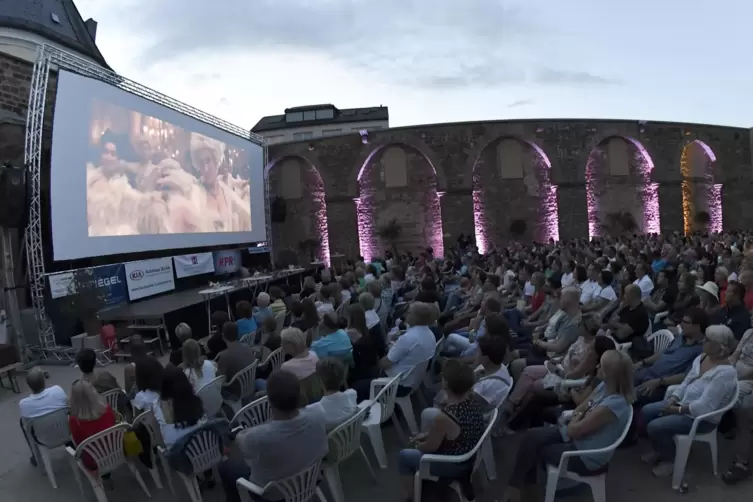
{"type": "Point", "coordinates": [13, 196]}
{"type": "Point", "coordinates": [278, 210]}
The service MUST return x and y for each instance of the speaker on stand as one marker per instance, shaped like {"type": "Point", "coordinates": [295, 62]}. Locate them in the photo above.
{"type": "Point", "coordinates": [14, 201]}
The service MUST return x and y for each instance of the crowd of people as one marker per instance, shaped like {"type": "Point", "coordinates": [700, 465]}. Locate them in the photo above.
{"type": "Point", "coordinates": [577, 345]}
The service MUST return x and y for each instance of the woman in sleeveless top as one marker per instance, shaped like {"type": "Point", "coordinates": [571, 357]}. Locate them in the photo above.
{"type": "Point", "coordinates": [454, 431]}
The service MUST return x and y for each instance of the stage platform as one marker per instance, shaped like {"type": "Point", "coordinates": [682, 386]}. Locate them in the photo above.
{"type": "Point", "coordinates": [188, 306]}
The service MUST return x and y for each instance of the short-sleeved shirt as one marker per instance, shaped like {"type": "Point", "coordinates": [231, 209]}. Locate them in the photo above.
{"type": "Point", "coordinates": [735, 318]}
{"type": "Point", "coordinates": [588, 290]}
{"type": "Point", "coordinates": [494, 388]}
{"type": "Point", "coordinates": [567, 329]}
{"type": "Point", "coordinates": [416, 345]}
{"type": "Point", "coordinates": [635, 317]}
{"type": "Point", "coordinates": [337, 343]}
{"type": "Point", "coordinates": [50, 399]}
{"type": "Point", "coordinates": [675, 359]}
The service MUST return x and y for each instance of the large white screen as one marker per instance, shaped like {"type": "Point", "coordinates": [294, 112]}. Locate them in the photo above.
{"type": "Point", "coordinates": [129, 175]}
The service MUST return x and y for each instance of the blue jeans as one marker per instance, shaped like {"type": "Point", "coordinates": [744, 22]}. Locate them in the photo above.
{"type": "Point", "coordinates": [662, 429]}
{"type": "Point", "coordinates": [409, 460]}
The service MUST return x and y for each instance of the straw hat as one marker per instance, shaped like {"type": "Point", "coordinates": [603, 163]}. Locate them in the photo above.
{"type": "Point", "coordinates": [711, 288]}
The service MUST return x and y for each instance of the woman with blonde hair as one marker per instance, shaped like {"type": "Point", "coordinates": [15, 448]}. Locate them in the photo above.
{"type": "Point", "coordinates": [89, 415]}
{"type": "Point", "coordinates": [200, 371]}
{"type": "Point", "coordinates": [302, 362]}
{"type": "Point", "coordinates": [708, 386]}
{"type": "Point", "coordinates": [596, 423]}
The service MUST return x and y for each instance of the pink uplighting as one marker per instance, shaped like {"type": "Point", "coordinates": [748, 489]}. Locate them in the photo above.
{"type": "Point", "coordinates": [482, 242]}
{"type": "Point", "coordinates": [715, 208]}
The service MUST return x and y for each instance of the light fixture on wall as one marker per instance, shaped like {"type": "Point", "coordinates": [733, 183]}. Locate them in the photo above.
{"type": "Point", "coordinates": [311, 147]}
{"type": "Point", "coordinates": [364, 136]}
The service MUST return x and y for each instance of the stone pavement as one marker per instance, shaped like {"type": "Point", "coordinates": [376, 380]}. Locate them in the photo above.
{"type": "Point", "coordinates": [629, 480]}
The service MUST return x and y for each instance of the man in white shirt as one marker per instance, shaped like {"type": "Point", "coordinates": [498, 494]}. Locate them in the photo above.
{"type": "Point", "coordinates": [325, 305]}
{"type": "Point", "coordinates": [568, 273]}
{"type": "Point", "coordinates": [415, 346]}
{"type": "Point", "coordinates": [590, 288]}
{"type": "Point", "coordinates": [643, 280]}
{"type": "Point", "coordinates": [335, 406]}
{"type": "Point", "coordinates": [43, 400]}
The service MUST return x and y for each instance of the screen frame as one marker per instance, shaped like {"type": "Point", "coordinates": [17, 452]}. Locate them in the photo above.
{"type": "Point", "coordinates": [70, 146]}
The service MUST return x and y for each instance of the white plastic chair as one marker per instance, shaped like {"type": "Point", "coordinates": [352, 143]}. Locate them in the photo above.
{"type": "Point", "coordinates": [661, 340]}
{"type": "Point", "coordinates": [344, 441]}
{"type": "Point", "coordinates": [424, 466]}
{"type": "Point", "coordinates": [246, 380]}
{"type": "Point", "coordinates": [204, 451]}
{"type": "Point", "coordinates": [112, 397]}
{"type": "Point", "coordinates": [300, 487]}
{"type": "Point", "coordinates": [405, 402]}
{"type": "Point", "coordinates": [211, 396]}
{"type": "Point", "coordinates": [275, 358]}
{"type": "Point", "coordinates": [596, 482]}
{"type": "Point", "coordinates": [683, 442]}
{"type": "Point", "coordinates": [149, 422]}
{"type": "Point", "coordinates": [487, 450]}
{"type": "Point", "coordinates": [382, 409]}
{"type": "Point", "coordinates": [253, 414]}
{"type": "Point", "coordinates": [106, 451]}
{"type": "Point", "coordinates": [48, 432]}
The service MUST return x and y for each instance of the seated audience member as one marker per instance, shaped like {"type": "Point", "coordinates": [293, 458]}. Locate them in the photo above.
{"type": "Point", "coordinates": [632, 323]}
{"type": "Point", "coordinates": [603, 293]}
{"type": "Point", "coordinates": [336, 406]}
{"type": "Point", "coordinates": [302, 361]}
{"type": "Point", "coordinates": [596, 423]}
{"type": "Point", "coordinates": [277, 296]}
{"type": "Point", "coordinates": [180, 410]}
{"type": "Point", "coordinates": [296, 315]}
{"type": "Point", "coordinates": [657, 372]}
{"type": "Point", "coordinates": [709, 386]}
{"type": "Point", "coordinates": [687, 297]}
{"type": "Point", "coordinates": [262, 309]}
{"type": "Point", "coordinates": [589, 289]}
{"type": "Point", "coordinates": [458, 344]}
{"type": "Point", "coordinates": [149, 375]}
{"type": "Point", "coordinates": [325, 277]}
{"type": "Point", "coordinates": [454, 430]}
{"type": "Point", "coordinates": [269, 340]}
{"type": "Point", "coordinates": [41, 401]}
{"type": "Point", "coordinates": [310, 318]}
{"type": "Point", "coordinates": [101, 380]}
{"type": "Point", "coordinates": [369, 346]}
{"type": "Point", "coordinates": [309, 287]}
{"type": "Point", "coordinates": [89, 415]}
{"type": "Point", "coordinates": [539, 319]}
{"type": "Point", "coordinates": [643, 280]}
{"type": "Point", "coordinates": [733, 314]}
{"type": "Point", "coordinates": [663, 296]}
{"type": "Point", "coordinates": [327, 300]}
{"type": "Point", "coordinates": [246, 323]}
{"type": "Point", "coordinates": [333, 340]}
{"type": "Point", "coordinates": [233, 359]}
{"type": "Point", "coordinates": [138, 350]}
{"type": "Point", "coordinates": [746, 279]}
{"type": "Point", "coordinates": [345, 290]}
{"type": "Point", "coordinates": [198, 370]}
{"type": "Point", "coordinates": [288, 443]}
{"type": "Point", "coordinates": [373, 321]}
{"type": "Point", "coordinates": [182, 333]}
{"type": "Point", "coordinates": [742, 360]}
{"type": "Point", "coordinates": [428, 292]}
{"type": "Point", "coordinates": [216, 342]}
{"type": "Point", "coordinates": [415, 346]}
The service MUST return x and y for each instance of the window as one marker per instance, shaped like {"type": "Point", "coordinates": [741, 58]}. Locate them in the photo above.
{"type": "Point", "coordinates": [331, 132]}
{"type": "Point", "coordinates": [325, 114]}
{"type": "Point", "coordinates": [309, 115]}
{"type": "Point", "coordinates": [303, 135]}
{"type": "Point", "coordinates": [277, 138]}
{"type": "Point", "coordinates": [294, 117]}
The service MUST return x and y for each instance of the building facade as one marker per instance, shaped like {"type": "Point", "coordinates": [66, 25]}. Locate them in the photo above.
{"type": "Point", "coordinates": [318, 121]}
{"type": "Point", "coordinates": [563, 178]}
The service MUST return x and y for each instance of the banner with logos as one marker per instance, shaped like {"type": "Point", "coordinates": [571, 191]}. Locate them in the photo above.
{"type": "Point", "coordinates": [193, 264]}
{"type": "Point", "coordinates": [227, 261]}
{"type": "Point", "coordinates": [149, 277]}
{"type": "Point", "coordinates": [110, 279]}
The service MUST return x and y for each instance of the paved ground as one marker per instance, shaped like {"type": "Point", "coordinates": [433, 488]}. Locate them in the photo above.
{"type": "Point", "coordinates": [628, 479]}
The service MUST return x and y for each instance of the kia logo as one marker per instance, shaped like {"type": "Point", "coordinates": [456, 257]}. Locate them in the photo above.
{"type": "Point", "coordinates": [137, 275]}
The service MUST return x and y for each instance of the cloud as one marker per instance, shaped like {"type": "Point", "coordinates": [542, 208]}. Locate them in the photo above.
{"type": "Point", "coordinates": [437, 44]}
{"type": "Point", "coordinates": [521, 102]}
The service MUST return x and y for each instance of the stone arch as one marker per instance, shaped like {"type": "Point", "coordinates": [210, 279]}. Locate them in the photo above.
{"type": "Point", "coordinates": [512, 180]}
{"type": "Point", "coordinates": [299, 182]}
{"type": "Point", "coordinates": [701, 190]}
{"type": "Point", "coordinates": [618, 179]}
{"type": "Point", "coordinates": [411, 197]}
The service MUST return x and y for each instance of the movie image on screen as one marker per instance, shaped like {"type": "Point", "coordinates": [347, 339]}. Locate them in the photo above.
{"type": "Point", "coordinates": [148, 176]}
{"type": "Point", "coordinates": [130, 175]}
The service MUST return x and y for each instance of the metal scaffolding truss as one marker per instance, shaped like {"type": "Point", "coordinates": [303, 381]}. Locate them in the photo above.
{"type": "Point", "coordinates": [50, 58]}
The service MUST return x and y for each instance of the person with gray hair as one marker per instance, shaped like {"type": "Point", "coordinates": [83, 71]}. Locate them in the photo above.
{"type": "Point", "coordinates": [43, 400]}
{"type": "Point", "coordinates": [183, 332]}
{"type": "Point", "coordinates": [302, 362]}
{"type": "Point", "coordinates": [709, 386]}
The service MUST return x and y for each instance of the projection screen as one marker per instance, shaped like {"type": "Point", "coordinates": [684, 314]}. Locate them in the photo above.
{"type": "Point", "coordinates": [129, 175]}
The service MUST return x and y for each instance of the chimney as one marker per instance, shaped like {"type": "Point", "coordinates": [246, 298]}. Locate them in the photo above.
{"type": "Point", "coordinates": [91, 27]}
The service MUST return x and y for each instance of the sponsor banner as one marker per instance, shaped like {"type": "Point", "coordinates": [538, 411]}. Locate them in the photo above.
{"type": "Point", "coordinates": [111, 279]}
{"type": "Point", "coordinates": [227, 262]}
{"type": "Point", "coordinates": [193, 264]}
{"type": "Point", "coordinates": [149, 277]}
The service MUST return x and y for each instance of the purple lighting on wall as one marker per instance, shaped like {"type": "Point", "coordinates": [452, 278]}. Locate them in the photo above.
{"type": "Point", "coordinates": [367, 242]}
{"type": "Point", "coordinates": [482, 241]}
{"type": "Point", "coordinates": [715, 208]}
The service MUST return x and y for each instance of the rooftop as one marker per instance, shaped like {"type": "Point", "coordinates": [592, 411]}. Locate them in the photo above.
{"type": "Point", "coordinates": [320, 115]}
{"type": "Point", "coordinates": [56, 20]}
